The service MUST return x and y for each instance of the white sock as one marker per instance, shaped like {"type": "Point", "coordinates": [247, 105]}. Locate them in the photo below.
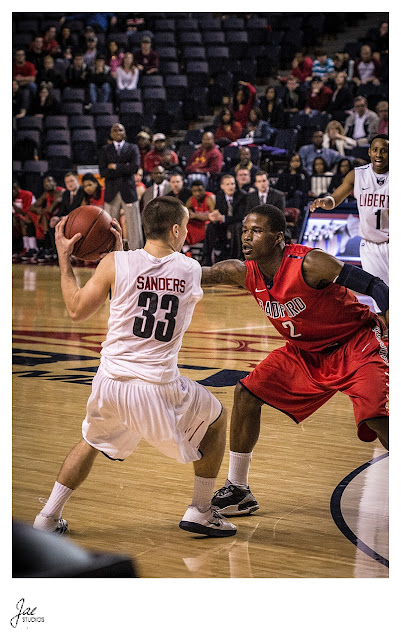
{"type": "Point", "coordinates": [25, 242]}
{"type": "Point", "coordinates": [32, 243]}
{"type": "Point", "coordinates": [238, 468]}
{"type": "Point", "coordinates": [203, 492]}
{"type": "Point", "coordinates": [56, 502]}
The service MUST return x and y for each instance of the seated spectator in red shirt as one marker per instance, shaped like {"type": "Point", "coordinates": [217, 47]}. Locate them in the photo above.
{"type": "Point", "coordinates": [145, 58]}
{"type": "Point", "coordinates": [207, 159]}
{"type": "Point", "coordinates": [243, 102]}
{"type": "Point", "coordinates": [228, 128]}
{"type": "Point", "coordinates": [94, 192]}
{"type": "Point", "coordinates": [319, 96]}
{"type": "Point", "coordinates": [50, 44]}
{"type": "Point", "coordinates": [140, 186]}
{"type": "Point", "coordinates": [382, 112]}
{"type": "Point", "coordinates": [199, 205]}
{"type": "Point", "coordinates": [41, 212]}
{"type": "Point", "coordinates": [153, 157]}
{"type": "Point", "coordinates": [302, 67]}
{"type": "Point", "coordinates": [24, 72]}
{"type": "Point", "coordinates": [24, 239]}
{"type": "Point", "coordinates": [366, 68]}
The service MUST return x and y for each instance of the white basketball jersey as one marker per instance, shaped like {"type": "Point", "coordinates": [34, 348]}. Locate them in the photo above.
{"type": "Point", "coordinates": [371, 193]}
{"type": "Point", "coordinates": [152, 306]}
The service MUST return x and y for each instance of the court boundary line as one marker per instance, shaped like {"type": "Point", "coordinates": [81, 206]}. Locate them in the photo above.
{"type": "Point", "coordinates": [336, 512]}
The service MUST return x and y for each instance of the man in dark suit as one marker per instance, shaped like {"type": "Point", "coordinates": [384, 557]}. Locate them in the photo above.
{"type": "Point", "coordinates": [264, 194]}
{"type": "Point", "coordinates": [118, 163]}
{"type": "Point", "coordinates": [223, 233]}
{"type": "Point", "coordinates": [71, 199]}
{"type": "Point", "coordinates": [159, 187]}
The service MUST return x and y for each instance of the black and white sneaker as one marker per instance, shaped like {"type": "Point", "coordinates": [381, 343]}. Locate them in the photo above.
{"type": "Point", "coordinates": [231, 500]}
{"type": "Point", "coordinates": [53, 525]}
{"type": "Point", "coordinates": [208, 523]}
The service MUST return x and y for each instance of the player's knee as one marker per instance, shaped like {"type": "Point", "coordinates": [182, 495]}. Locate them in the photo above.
{"type": "Point", "coordinates": [244, 399]}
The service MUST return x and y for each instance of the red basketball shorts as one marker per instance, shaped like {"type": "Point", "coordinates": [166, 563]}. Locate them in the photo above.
{"type": "Point", "coordinates": [298, 382]}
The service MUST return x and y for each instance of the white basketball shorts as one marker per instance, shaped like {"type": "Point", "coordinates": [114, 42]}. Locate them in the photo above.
{"type": "Point", "coordinates": [171, 417]}
{"type": "Point", "coordinates": [375, 260]}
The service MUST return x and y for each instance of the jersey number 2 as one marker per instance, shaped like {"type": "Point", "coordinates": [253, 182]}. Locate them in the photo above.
{"type": "Point", "coordinates": [289, 325]}
{"type": "Point", "coordinates": [144, 325]}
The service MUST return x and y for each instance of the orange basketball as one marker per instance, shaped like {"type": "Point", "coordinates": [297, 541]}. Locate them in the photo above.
{"type": "Point", "coordinates": [94, 223]}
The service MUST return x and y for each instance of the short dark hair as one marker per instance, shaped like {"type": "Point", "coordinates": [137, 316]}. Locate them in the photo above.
{"type": "Point", "coordinates": [160, 214]}
{"type": "Point", "coordinates": [197, 183]}
{"type": "Point", "coordinates": [261, 172]}
{"type": "Point", "coordinates": [71, 173]}
{"type": "Point", "coordinates": [274, 215]}
{"type": "Point", "coordinates": [381, 136]}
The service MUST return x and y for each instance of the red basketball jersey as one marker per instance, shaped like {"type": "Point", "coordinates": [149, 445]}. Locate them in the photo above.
{"type": "Point", "coordinates": [313, 319]}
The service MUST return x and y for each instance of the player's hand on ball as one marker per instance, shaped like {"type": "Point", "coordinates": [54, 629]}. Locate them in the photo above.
{"type": "Point", "coordinates": [64, 245]}
{"type": "Point", "coordinates": [117, 231]}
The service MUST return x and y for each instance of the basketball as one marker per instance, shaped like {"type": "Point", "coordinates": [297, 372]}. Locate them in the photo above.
{"type": "Point", "coordinates": [94, 223]}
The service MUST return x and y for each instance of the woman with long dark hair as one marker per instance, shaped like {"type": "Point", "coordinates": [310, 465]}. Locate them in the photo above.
{"type": "Point", "coordinates": [272, 108]}
{"type": "Point", "coordinates": [94, 192]}
{"type": "Point", "coordinates": [243, 101]}
{"type": "Point", "coordinates": [228, 128]}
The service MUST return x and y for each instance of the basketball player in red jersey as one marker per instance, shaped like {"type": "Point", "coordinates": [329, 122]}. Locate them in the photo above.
{"type": "Point", "coordinates": [333, 342]}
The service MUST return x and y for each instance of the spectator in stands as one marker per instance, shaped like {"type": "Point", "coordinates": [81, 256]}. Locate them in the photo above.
{"type": "Point", "coordinates": [114, 57]}
{"type": "Point", "coordinates": [199, 205]}
{"type": "Point", "coordinates": [71, 198]}
{"type": "Point", "coordinates": [334, 138]}
{"type": "Point", "coordinates": [361, 124]}
{"type": "Point", "coordinates": [177, 188]}
{"type": "Point", "coordinates": [318, 97]}
{"type": "Point", "coordinates": [160, 186]}
{"type": "Point", "coordinates": [301, 67]}
{"type": "Point", "coordinates": [264, 194]}
{"type": "Point", "coordinates": [341, 100]}
{"type": "Point", "coordinates": [293, 98]}
{"type": "Point", "coordinates": [153, 157]}
{"type": "Point", "coordinates": [169, 164]}
{"type": "Point", "coordinates": [245, 162]}
{"type": "Point", "coordinates": [45, 103]}
{"type": "Point", "coordinates": [35, 53]}
{"type": "Point", "coordinates": [127, 75]}
{"type": "Point", "coordinates": [294, 183]}
{"type": "Point", "coordinates": [49, 74]}
{"type": "Point", "coordinates": [323, 66]}
{"type": "Point", "coordinates": [378, 37]}
{"type": "Point", "coordinates": [382, 112]}
{"type": "Point", "coordinates": [20, 100]}
{"type": "Point", "coordinates": [308, 152]}
{"type": "Point", "coordinates": [228, 129]}
{"type": "Point", "coordinates": [24, 72]}
{"type": "Point", "coordinates": [140, 186]}
{"type": "Point", "coordinates": [344, 166]}
{"type": "Point", "coordinates": [243, 178]}
{"type": "Point", "coordinates": [77, 73]}
{"type": "Point", "coordinates": [320, 179]}
{"type": "Point", "coordinates": [341, 61]}
{"type": "Point", "coordinates": [366, 68]}
{"type": "Point", "coordinates": [144, 145]}
{"type": "Point", "coordinates": [41, 212]}
{"type": "Point", "coordinates": [223, 233]}
{"type": "Point", "coordinates": [118, 163]}
{"type": "Point", "coordinates": [94, 192]}
{"type": "Point", "coordinates": [258, 129]}
{"type": "Point", "coordinates": [205, 161]}
{"type": "Point", "coordinates": [91, 52]}
{"type": "Point", "coordinates": [50, 45]}
{"type": "Point", "coordinates": [23, 227]}
{"type": "Point", "coordinates": [146, 59]}
{"type": "Point", "coordinates": [244, 99]}
{"type": "Point", "coordinates": [100, 81]}
{"type": "Point", "coordinates": [272, 109]}
{"type": "Point", "coordinates": [67, 42]}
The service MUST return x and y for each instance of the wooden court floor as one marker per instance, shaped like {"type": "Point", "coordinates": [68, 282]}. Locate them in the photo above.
{"type": "Point", "coordinates": [323, 494]}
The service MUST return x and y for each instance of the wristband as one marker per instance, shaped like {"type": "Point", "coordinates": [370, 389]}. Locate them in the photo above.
{"type": "Point", "coordinates": [333, 201]}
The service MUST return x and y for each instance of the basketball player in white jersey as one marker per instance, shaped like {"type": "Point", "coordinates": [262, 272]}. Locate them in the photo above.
{"type": "Point", "coordinates": [137, 391]}
{"type": "Point", "coordinates": [370, 186]}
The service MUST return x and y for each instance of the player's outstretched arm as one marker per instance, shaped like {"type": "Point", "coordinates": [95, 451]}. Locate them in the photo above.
{"type": "Point", "coordinates": [321, 269]}
{"type": "Point", "coordinates": [225, 272]}
{"type": "Point", "coordinates": [82, 303]}
{"type": "Point", "coordinates": [332, 201]}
